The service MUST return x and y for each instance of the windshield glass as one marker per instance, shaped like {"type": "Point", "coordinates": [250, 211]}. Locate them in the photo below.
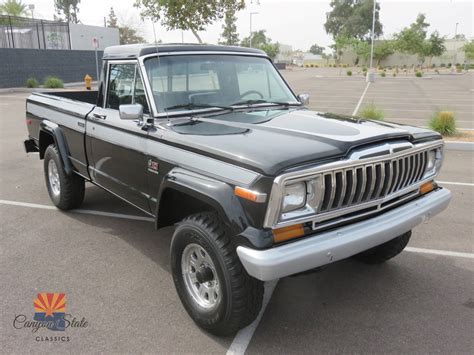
{"type": "Point", "coordinates": [190, 82]}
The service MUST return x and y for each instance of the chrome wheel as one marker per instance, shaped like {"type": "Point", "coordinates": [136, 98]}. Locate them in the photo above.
{"type": "Point", "coordinates": [200, 276]}
{"type": "Point", "coordinates": [53, 176]}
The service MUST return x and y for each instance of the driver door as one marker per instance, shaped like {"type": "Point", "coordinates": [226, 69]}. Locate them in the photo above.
{"type": "Point", "coordinates": [118, 148]}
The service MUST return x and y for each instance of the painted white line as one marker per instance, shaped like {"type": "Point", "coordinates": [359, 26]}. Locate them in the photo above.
{"type": "Point", "coordinates": [243, 337]}
{"type": "Point", "coordinates": [440, 252]}
{"type": "Point", "coordinates": [92, 212]}
{"type": "Point", "coordinates": [361, 99]}
{"type": "Point", "coordinates": [456, 183]}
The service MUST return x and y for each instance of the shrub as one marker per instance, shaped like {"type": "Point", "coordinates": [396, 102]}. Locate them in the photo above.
{"type": "Point", "coordinates": [349, 72]}
{"type": "Point", "coordinates": [458, 70]}
{"type": "Point", "coordinates": [444, 123]}
{"type": "Point", "coordinates": [53, 82]}
{"type": "Point", "coordinates": [382, 74]}
{"type": "Point", "coordinates": [442, 65]}
{"type": "Point", "coordinates": [364, 69]}
{"type": "Point", "coordinates": [449, 65]}
{"type": "Point", "coordinates": [433, 66]}
{"type": "Point", "coordinates": [372, 112]}
{"type": "Point", "coordinates": [436, 71]}
{"type": "Point", "coordinates": [316, 66]}
{"type": "Point", "coordinates": [418, 74]}
{"type": "Point", "coordinates": [394, 74]}
{"type": "Point", "coordinates": [31, 83]}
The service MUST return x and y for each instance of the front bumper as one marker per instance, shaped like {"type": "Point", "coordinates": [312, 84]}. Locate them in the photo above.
{"type": "Point", "coordinates": [328, 247]}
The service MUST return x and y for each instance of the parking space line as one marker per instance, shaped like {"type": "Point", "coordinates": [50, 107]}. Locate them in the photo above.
{"type": "Point", "coordinates": [242, 338]}
{"type": "Point", "coordinates": [361, 99]}
{"type": "Point", "coordinates": [91, 212]}
{"type": "Point", "coordinates": [456, 183]}
{"type": "Point", "coordinates": [440, 252]}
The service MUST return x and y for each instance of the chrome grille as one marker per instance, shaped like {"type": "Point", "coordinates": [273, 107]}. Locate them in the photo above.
{"type": "Point", "coordinates": [364, 183]}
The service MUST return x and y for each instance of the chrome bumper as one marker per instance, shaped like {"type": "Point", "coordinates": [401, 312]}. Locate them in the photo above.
{"type": "Point", "coordinates": [328, 247]}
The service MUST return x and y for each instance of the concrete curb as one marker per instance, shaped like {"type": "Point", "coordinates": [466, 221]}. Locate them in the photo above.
{"type": "Point", "coordinates": [463, 146]}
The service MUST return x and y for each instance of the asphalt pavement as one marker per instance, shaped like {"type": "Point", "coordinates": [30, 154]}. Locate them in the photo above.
{"type": "Point", "coordinates": [114, 270]}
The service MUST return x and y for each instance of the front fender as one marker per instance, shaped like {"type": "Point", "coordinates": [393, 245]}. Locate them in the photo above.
{"type": "Point", "coordinates": [217, 194]}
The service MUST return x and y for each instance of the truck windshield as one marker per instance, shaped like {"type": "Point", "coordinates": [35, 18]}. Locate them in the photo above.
{"type": "Point", "coordinates": [192, 82]}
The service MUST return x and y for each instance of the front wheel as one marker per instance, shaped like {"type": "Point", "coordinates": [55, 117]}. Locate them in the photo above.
{"type": "Point", "coordinates": [212, 284]}
{"type": "Point", "coordinates": [66, 191]}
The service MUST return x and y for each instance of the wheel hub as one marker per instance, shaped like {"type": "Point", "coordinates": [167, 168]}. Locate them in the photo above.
{"type": "Point", "coordinates": [53, 176]}
{"type": "Point", "coordinates": [200, 277]}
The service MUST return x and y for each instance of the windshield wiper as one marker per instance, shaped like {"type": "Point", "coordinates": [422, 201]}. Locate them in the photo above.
{"type": "Point", "coordinates": [191, 105]}
{"type": "Point", "coordinates": [260, 101]}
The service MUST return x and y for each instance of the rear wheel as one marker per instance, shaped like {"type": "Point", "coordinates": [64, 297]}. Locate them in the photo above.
{"type": "Point", "coordinates": [385, 251]}
{"type": "Point", "coordinates": [66, 191]}
{"type": "Point", "coordinates": [212, 284]}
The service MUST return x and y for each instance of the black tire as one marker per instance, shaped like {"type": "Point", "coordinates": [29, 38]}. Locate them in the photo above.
{"type": "Point", "coordinates": [241, 295]}
{"type": "Point", "coordinates": [71, 187]}
{"type": "Point", "coordinates": [385, 251]}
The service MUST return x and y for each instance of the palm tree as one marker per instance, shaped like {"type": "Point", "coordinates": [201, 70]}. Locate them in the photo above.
{"type": "Point", "coordinates": [13, 8]}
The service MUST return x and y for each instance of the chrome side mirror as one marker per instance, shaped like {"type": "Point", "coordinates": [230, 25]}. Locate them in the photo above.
{"type": "Point", "coordinates": [304, 98]}
{"type": "Point", "coordinates": [131, 112]}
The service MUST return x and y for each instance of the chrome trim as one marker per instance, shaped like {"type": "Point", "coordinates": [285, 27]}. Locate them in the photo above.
{"type": "Point", "coordinates": [340, 243]}
{"type": "Point", "coordinates": [274, 207]}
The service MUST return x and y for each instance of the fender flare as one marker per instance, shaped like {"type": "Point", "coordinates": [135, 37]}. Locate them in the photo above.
{"type": "Point", "coordinates": [48, 127]}
{"type": "Point", "coordinates": [217, 194]}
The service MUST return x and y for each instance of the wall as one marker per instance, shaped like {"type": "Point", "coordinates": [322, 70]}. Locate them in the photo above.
{"type": "Point", "coordinates": [82, 35]}
{"type": "Point", "coordinates": [17, 65]}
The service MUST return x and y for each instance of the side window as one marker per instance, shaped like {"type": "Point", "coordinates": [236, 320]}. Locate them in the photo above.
{"type": "Point", "coordinates": [121, 84]}
{"type": "Point", "coordinates": [252, 77]}
{"type": "Point", "coordinates": [125, 87]}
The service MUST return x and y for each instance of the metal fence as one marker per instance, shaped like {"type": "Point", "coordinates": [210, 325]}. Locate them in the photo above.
{"type": "Point", "coordinates": [22, 32]}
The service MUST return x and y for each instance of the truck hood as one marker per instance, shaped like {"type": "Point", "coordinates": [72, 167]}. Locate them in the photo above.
{"type": "Point", "coordinates": [270, 141]}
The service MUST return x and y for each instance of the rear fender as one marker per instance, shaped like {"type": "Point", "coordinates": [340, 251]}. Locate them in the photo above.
{"type": "Point", "coordinates": [49, 129]}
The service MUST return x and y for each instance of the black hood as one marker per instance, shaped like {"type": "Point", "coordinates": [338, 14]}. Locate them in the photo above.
{"type": "Point", "coordinates": [270, 141]}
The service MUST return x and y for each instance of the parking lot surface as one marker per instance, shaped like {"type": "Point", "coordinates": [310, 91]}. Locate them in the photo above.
{"type": "Point", "coordinates": [404, 99]}
{"type": "Point", "coordinates": [115, 271]}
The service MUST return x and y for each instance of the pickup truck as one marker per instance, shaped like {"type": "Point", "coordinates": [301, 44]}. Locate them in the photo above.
{"type": "Point", "coordinates": [212, 140]}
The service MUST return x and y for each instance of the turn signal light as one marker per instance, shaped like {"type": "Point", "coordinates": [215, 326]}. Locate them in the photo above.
{"type": "Point", "coordinates": [286, 233]}
{"type": "Point", "coordinates": [249, 194]}
{"type": "Point", "coordinates": [427, 187]}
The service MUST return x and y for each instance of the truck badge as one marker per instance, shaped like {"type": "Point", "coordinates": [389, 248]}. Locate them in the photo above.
{"type": "Point", "coordinates": [153, 166]}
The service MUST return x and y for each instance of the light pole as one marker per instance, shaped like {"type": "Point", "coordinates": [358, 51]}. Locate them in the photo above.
{"type": "Point", "coordinates": [370, 73]}
{"type": "Point", "coordinates": [454, 46]}
{"type": "Point", "coordinates": [251, 14]}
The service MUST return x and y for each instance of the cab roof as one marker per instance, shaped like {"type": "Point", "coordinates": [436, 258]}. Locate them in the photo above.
{"type": "Point", "coordinates": [133, 51]}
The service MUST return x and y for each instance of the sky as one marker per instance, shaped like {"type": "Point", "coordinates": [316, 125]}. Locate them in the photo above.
{"type": "Point", "coordinates": [297, 23]}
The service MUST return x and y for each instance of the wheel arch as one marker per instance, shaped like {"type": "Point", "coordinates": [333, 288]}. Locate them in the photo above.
{"type": "Point", "coordinates": [183, 193]}
{"type": "Point", "coordinates": [50, 133]}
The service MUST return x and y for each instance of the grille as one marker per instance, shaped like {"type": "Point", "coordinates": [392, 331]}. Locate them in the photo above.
{"type": "Point", "coordinates": [364, 183]}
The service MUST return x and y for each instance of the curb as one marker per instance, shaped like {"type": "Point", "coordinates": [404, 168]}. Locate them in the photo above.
{"type": "Point", "coordinates": [463, 146]}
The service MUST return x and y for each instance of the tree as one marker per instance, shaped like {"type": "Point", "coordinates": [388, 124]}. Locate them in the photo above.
{"type": "Point", "coordinates": [468, 49]}
{"type": "Point", "coordinates": [68, 9]}
{"type": "Point", "coordinates": [315, 49]}
{"type": "Point", "coordinates": [112, 20]}
{"type": "Point", "coordinates": [261, 41]}
{"type": "Point", "coordinates": [352, 18]}
{"type": "Point", "coordinates": [229, 34]}
{"type": "Point", "coordinates": [13, 8]}
{"type": "Point", "coordinates": [341, 43]}
{"type": "Point", "coordinates": [383, 50]}
{"type": "Point", "coordinates": [434, 46]}
{"type": "Point", "coordinates": [127, 34]}
{"type": "Point", "coordinates": [187, 15]}
{"type": "Point", "coordinates": [411, 40]}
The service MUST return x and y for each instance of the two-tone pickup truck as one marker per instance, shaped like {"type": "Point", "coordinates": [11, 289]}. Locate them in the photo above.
{"type": "Point", "coordinates": [211, 139]}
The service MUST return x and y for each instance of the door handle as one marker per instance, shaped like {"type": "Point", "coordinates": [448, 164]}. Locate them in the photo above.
{"type": "Point", "coordinates": [99, 116]}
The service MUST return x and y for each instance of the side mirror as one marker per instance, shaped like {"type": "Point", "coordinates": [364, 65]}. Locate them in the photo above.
{"type": "Point", "coordinates": [304, 98]}
{"type": "Point", "coordinates": [131, 112]}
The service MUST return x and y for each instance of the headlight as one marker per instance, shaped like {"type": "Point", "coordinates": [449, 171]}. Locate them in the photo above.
{"type": "Point", "coordinates": [294, 197]}
{"type": "Point", "coordinates": [433, 164]}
